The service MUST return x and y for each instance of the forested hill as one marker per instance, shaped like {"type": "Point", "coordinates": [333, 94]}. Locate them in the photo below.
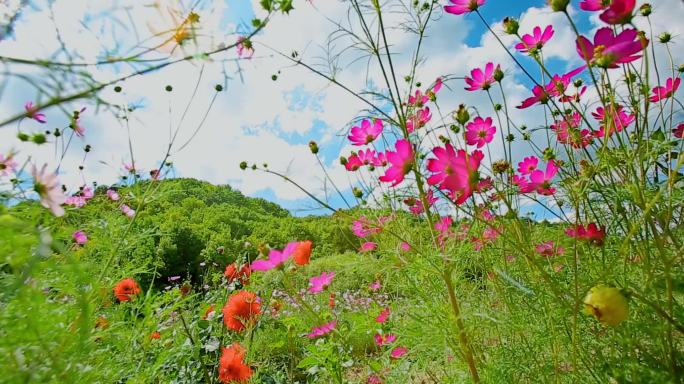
{"type": "Point", "coordinates": [181, 223]}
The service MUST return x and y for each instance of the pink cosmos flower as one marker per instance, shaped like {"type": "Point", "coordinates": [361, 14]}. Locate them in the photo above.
{"type": "Point", "coordinates": [322, 330]}
{"type": "Point", "coordinates": [319, 283]}
{"type": "Point", "coordinates": [7, 164]}
{"type": "Point", "coordinates": [679, 131]}
{"type": "Point", "coordinates": [113, 195]}
{"type": "Point", "coordinates": [76, 123]}
{"type": "Point", "coordinates": [368, 246]}
{"type": "Point", "coordinates": [534, 42]}
{"type": "Point", "coordinates": [592, 233]}
{"type": "Point", "coordinates": [522, 183]}
{"type": "Point", "coordinates": [49, 190]}
{"type": "Point", "coordinates": [374, 286]}
{"type": "Point", "coordinates": [612, 122]}
{"type": "Point", "coordinates": [594, 5]}
{"type": "Point", "coordinates": [362, 227]}
{"type": "Point", "coordinates": [366, 132]}
{"type": "Point", "coordinates": [661, 93]}
{"type": "Point", "coordinates": [480, 132]}
{"type": "Point", "coordinates": [618, 12]}
{"type": "Point", "coordinates": [373, 379]}
{"type": "Point", "coordinates": [481, 80]}
{"type": "Point", "coordinates": [80, 237]}
{"type": "Point", "coordinates": [32, 113]}
{"type": "Point", "coordinates": [541, 181]}
{"type": "Point", "coordinates": [380, 160]}
{"type": "Point", "coordinates": [404, 246]}
{"type": "Point", "coordinates": [129, 167]}
{"type": "Point", "coordinates": [383, 316]}
{"type": "Point", "coordinates": [556, 87]}
{"type": "Point", "coordinates": [244, 48]}
{"type": "Point", "coordinates": [610, 50]}
{"type": "Point", "coordinates": [419, 99]}
{"type": "Point", "coordinates": [460, 7]}
{"type": "Point", "coordinates": [401, 163]}
{"type": "Point", "coordinates": [76, 201]}
{"type": "Point", "coordinates": [416, 205]}
{"type": "Point", "coordinates": [454, 171]}
{"type": "Point", "coordinates": [418, 120]}
{"type": "Point", "coordinates": [528, 165]}
{"type": "Point", "coordinates": [539, 95]}
{"type": "Point", "coordinates": [549, 249]}
{"type": "Point", "coordinates": [128, 211]}
{"type": "Point", "coordinates": [275, 258]}
{"type": "Point", "coordinates": [88, 193]}
{"type": "Point", "coordinates": [568, 131]}
{"type": "Point", "coordinates": [398, 352]}
{"type": "Point", "coordinates": [386, 339]}
{"type": "Point", "coordinates": [353, 163]}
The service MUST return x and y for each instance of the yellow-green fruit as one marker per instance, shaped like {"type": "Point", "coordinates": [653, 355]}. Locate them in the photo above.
{"type": "Point", "coordinates": [607, 304]}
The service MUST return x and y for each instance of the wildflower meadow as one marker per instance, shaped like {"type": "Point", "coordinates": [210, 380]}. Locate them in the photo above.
{"type": "Point", "coordinates": [341, 191]}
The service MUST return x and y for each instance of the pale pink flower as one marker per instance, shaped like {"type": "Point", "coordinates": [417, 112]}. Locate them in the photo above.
{"type": "Point", "coordinates": [534, 42]}
{"type": "Point", "coordinates": [7, 164]}
{"type": "Point", "coordinates": [661, 93]}
{"type": "Point", "coordinates": [80, 237]}
{"type": "Point", "coordinates": [480, 132]}
{"type": "Point", "coordinates": [113, 195]}
{"type": "Point", "coordinates": [322, 330]}
{"type": "Point", "coordinates": [401, 163]}
{"type": "Point", "coordinates": [128, 211]}
{"type": "Point", "coordinates": [32, 113]}
{"type": "Point", "coordinates": [368, 246]}
{"type": "Point", "coordinates": [366, 132]}
{"type": "Point", "coordinates": [76, 201]}
{"type": "Point", "coordinates": [244, 48]}
{"type": "Point", "coordinates": [76, 123]}
{"type": "Point", "coordinates": [404, 246]}
{"type": "Point", "coordinates": [398, 352]}
{"type": "Point", "coordinates": [383, 316]}
{"type": "Point", "coordinates": [374, 286]}
{"type": "Point", "coordinates": [549, 249]}
{"type": "Point", "coordinates": [418, 120]}
{"type": "Point", "coordinates": [319, 283]}
{"type": "Point", "coordinates": [275, 258]}
{"type": "Point", "coordinates": [48, 188]}
{"type": "Point", "coordinates": [481, 80]}
{"type": "Point", "coordinates": [459, 7]}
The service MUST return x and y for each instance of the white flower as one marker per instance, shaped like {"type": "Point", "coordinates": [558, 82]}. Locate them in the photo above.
{"type": "Point", "coordinates": [48, 188]}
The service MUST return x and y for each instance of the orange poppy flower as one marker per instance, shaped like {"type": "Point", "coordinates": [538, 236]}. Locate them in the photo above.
{"type": "Point", "coordinates": [155, 335]}
{"type": "Point", "coordinates": [242, 274]}
{"type": "Point", "coordinates": [125, 289]}
{"type": "Point", "coordinates": [302, 253]}
{"type": "Point", "coordinates": [232, 368]}
{"type": "Point", "coordinates": [241, 310]}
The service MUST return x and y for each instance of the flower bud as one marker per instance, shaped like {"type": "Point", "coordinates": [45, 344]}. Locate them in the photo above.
{"type": "Point", "coordinates": [498, 74]}
{"type": "Point", "coordinates": [39, 138]}
{"type": "Point", "coordinates": [87, 148]}
{"type": "Point", "coordinates": [497, 107]}
{"type": "Point", "coordinates": [578, 83]}
{"type": "Point", "coordinates": [665, 37]}
{"type": "Point", "coordinates": [168, 88]}
{"type": "Point", "coordinates": [501, 166]}
{"type": "Point", "coordinates": [680, 69]}
{"type": "Point", "coordinates": [243, 165]}
{"type": "Point", "coordinates": [455, 128]}
{"type": "Point", "coordinates": [444, 139]}
{"type": "Point", "coordinates": [343, 160]}
{"type": "Point", "coordinates": [511, 25]}
{"type": "Point", "coordinates": [558, 5]}
{"type": "Point", "coordinates": [462, 115]}
{"type": "Point", "coordinates": [218, 87]}
{"type": "Point", "coordinates": [358, 193]}
{"type": "Point", "coordinates": [313, 147]}
{"type": "Point", "coordinates": [645, 9]}
{"type": "Point", "coordinates": [510, 138]}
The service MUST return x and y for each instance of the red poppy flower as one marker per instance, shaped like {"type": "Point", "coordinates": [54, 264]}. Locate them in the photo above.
{"type": "Point", "coordinates": [125, 289]}
{"type": "Point", "coordinates": [232, 367]}
{"type": "Point", "coordinates": [241, 310]}
{"type": "Point", "coordinates": [242, 274]}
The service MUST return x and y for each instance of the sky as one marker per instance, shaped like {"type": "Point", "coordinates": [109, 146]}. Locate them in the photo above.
{"type": "Point", "coordinates": [258, 119]}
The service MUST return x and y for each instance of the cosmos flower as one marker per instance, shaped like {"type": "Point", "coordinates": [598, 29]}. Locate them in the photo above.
{"type": "Point", "coordinates": [365, 133]}
{"type": "Point", "coordinates": [528, 165]}
{"type": "Point", "coordinates": [322, 330]}
{"type": "Point", "coordinates": [49, 190]}
{"type": "Point", "coordinates": [245, 49]}
{"type": "Point", "coordinates": [480, 132]}
{"type": "Point", "coordinates": [418, 120]}
{"type": "Point", "coordinates": [398, 352]}
{"type": "Point", "coordinates": [612, 122]}
{"type": "Point", "coordinates": [661, 93]}
{"type": "Point", "coordinates": [126, 289]}
{"type": "Point", "coordinates": [232, 367]}
{"type": "Point", "coordinates": [241, 310]}
{"type": "Point", "coordinates": [113, 195]}
{"type": "Point", "coordinates": [386, 339]}
{"type": "Point", "coordinates": [275, 258]}
{"type": "Point", "coordinates": [618, 12]}
{"type": "Point", "coordinates": [401, 161]}
{"type": "Point", "coordinates": [592, 233]}
{"type": "Point", "coordinates": [534, 42]}
{"type": "Point", "coordinates": [368, 246]}
{"type": "Point", "coordinates": [80, 237]}
{"type": "Point", "coordinates": [679, 131]}
{"type": "Point", "coordinates": [128, 211]}
{"type": "Point", "coordinates": [454, 171]}
{"type": "Point", "coordinates": [383, 316]}
{"type": "Point", "coordinates": [607, 304]}
{"type": "Point", "coordinates": [549, 249]}
{"type": "Point", "coordinates": [609, 50]}
{"type": "Point", "coordinates": [32, 113]}
{"type": "Point", "coordinates": [541, 180]}
{"type": "Point", "coordinates": [459, 7]}
{"type": "Point", "coordinates": [319, 283]}
{"type": "Point", "coordinates": [7, 164]}
{"type": "Point", "coordinates": [481, 80]}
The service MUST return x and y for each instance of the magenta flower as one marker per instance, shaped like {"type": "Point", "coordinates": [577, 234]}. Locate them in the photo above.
{"type": "Point", "coordinates": [594, 5]}
{"type": "Point", "coordinates": [679, 131]}
{"type": "Point", "coordinates": [80, 237]}
{"type": "Point", "coordinates": [322, 330]}
{"type": "Point", "coordinates": [592, 233]}
{"type": "Point", "coordinates": [416, 205]}
{"type": "Point", "coordinates": [481, 80]}
{"type": "Point", "coordinates": [418, 120]}
{"type": "Point", "coordinates": [319, 283]}
{"type": "Point", "coordinates": [612, 122]}
{"type": "Point", "coordinates": [419, 99]}
{"type": "Point", "coordinates": [113, 195]}
{"type": "Point", "coordinates": [549, 249]}
{"type": "Point", "coordinates": [618, 12]}
{"type": "Point", "coordinates": [32, 113]}
{"type": "Point", "coordinates": [539, 95]}
{"type": "Point", "coordinates": [541, 181]}
{"type": "Point", "coordinates": [386, 339]}
{"type": "Point", "coordinates": [609, 50]}
{"type": "Point", "coordinates": [366, 132]}
{"type": "Point", "coordinates": [404, 246]}
{"type": "Point", "coordinates": [398, 352]}
{"type": "Point", "coordinates": [128, 211]}
{"type": "Point", "coordinates": [380, 160]}
{"type": "Point", "coordinates": [661, 93]}
{"type": "Point", "coordinates": [556, 87]}
{"type": "Point", "coordinates": [460, 7]}
{"type": "Point", "coordinates": [480, 132]}
{"type": "Point", "coordinates": [368, 246]}
{"type": "Point", "coordinates": [244, 47]}
{"type": "Point", "coordinates": [49, 190]}
{"type": "Point", "coordinates": [401, 163]}
{"type": "Point", "coordinates": [7, 164]}
{"type": "Point", "coordinates": [383, 316]}
{"type": "Point", "coordinates": [353, 163]}
{"type": "Point", "coordinates": [275, 258]}
{"type": "Point", "coordinates": [367, 156]}
{"type": "Point", "coordinates": [76, 201]}
{"type": "Point", "coordinates": [362, 227]}
{"type": "Point", "coordinates": [534, 42]}
{"type": "Point", "coordinates": [454, 171]}
{"type": "Point", "coordinates": [528, 165]}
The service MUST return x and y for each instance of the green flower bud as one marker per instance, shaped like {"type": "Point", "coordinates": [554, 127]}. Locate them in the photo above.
{"type": "Point", "coordinates": [358, 193]}
{"type": "Point", "coordinates": [168, 88]}
{"type": "Point", "coordinates": [498, 74]}
{"type": "Point", "coordinates": [511, 25]}
{"type": "Point", "coordinates": [559, 5]}
{"type": "Point", "coordinates": [39, 138]}
{"type": "Point", "coordinates": [243, 165]}
{"type": "Point", "coordinates": [462, 115]}
{"type": "Point", "coordinates": [22, 136]}
{"type": "Point", "coordinates": [218, 87]}
{"type": "Point", "coordinates": [665, 37]}
{"type": "Point", "coordinates": [313, 147]}
{"type": "Point", "coordinates": [645, 10]}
